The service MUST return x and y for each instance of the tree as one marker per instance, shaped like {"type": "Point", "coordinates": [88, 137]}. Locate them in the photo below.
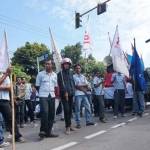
{"type": "Point", "coordinates": [92, 66]}
{"type": "Point", "coordinates": [26, 56]}
{"type": "Point", "coordinates": [73, 52]}
{"type": "Point", "coordinates": [18, 72]}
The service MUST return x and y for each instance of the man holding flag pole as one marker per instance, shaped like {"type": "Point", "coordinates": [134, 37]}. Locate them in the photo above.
{"type": "Point", "coordinates": [137, 73]}
{"type": "Point", "coordinates": [6, 109]}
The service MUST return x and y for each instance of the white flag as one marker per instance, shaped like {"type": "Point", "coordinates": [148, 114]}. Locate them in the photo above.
{"type": "Point", "coordinates": [56, 53]}
{"type": "Point", "coordinates": [4, 57]}
{"type": "Point", "coordinates": [119, 60]}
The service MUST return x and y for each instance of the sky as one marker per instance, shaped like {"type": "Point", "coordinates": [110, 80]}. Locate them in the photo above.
{"type": "Point", "coordinates": [29, 20]}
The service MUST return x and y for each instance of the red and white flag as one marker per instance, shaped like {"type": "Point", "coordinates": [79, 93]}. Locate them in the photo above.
{"type": "Point", "coordinates": [4, 57]}
{"type": "Point", "coordinates": [119, 60]}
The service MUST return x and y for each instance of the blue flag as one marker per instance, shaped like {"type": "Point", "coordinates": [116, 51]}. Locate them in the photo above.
{"type": "Point", "coordinates": [137, 70]}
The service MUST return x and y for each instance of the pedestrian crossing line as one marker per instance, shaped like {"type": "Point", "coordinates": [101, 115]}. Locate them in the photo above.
{"type": "Point", "coordinates": [65, 146]}
{"type": "Point", "coordinates": [132, 119]}
{"type": "Point", "coordinates": [118, 125]}
{"type": "Point", "coordinates": [95, 134]}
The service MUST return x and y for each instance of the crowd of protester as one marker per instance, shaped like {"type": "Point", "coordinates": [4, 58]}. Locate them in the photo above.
{"type": "Point", "coordinates": [69, 93]}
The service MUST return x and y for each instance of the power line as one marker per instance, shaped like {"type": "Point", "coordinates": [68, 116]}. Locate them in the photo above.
{"type": "Point", "coordinates": [19, 25]}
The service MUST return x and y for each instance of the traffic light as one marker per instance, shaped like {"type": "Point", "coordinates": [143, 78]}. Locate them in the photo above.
{"type": "Point", "coordinates": [77, 20]}
{"type": "Point", "coordinates": [101, 8]}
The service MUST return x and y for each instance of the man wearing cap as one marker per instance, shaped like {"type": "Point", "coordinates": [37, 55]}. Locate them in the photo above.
{"type": "Point", "coordinates": [46, 82]}
{"type": "Point", "coordinates": [67, 89]}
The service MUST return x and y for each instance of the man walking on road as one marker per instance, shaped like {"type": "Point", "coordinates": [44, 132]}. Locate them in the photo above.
{"type": "Point", "coordinates": [46, 82]}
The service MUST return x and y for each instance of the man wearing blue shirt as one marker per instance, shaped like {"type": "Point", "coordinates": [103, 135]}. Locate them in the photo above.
{"type": "Point", "coordinates": [119, 84]}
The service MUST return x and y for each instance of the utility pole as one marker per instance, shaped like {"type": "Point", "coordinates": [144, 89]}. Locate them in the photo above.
{"type": "Point", "coordinates": [101, 8]}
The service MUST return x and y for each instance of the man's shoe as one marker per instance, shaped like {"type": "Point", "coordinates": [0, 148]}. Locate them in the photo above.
{"type": "Point", "coordinates": [67, 132]}
{"type": "Point", "coordinates": [73, 129]}
{"type": "Point", "coordinates": [9, 138]}
{"type": "Point", "coordinates": [134, 113]}
{"type": "Point", "coordinates": [20, 140]}
{"type": "Point", "coordinates": [4, 144]}
{"type": "Point", "coordinates": [103, 120]}
{"type": "Point", "coordinates": [90, 124]}
{"type": "Point", "coordinates": [115, 117]}
{"type": "Point", "coordinates": [78, 126]}
{"type": "Point", "coordinates": [42, 135]}
{"type": "Point", "coordinates": [140, 114]}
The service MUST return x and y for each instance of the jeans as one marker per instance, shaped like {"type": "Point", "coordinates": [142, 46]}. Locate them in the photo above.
{"type": "Point", "coordinates": [119, 101]}
{"type": "Point", "coordinates": [1, 129]}
{"type": "Point", "coordinates": [100, 105]}
{"type": "Point", "coordinates": [47, 111]}
{"type": "Point", "coordinates": [6, 111]}
{"type": "Point", "coordinates": [20, 112]}
{"type": "Point", "coordinates": [68, 106]}
{"type": "Point", "coordinates": [138, 102]}
{"type": "Point", "coordinates": [82, 99]}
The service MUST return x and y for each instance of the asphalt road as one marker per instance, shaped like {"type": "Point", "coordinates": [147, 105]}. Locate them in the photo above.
{"type": "Point", "coordinates": [128, 133]}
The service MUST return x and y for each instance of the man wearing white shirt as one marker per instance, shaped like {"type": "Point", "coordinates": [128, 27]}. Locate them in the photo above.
{"type": "Point", "coordinates": [99, 96]}
{"type": "Point", "coordinates": [81, 97]}
{"type": "Point", "coordinates": [46, 82]}
{"type": "Point", "coordinates": [5, 107]}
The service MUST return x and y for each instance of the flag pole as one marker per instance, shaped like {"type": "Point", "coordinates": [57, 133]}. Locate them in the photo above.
{"type": "Point", "coordinates": [38, 66]}
{"type": "Point", "coordinates": [13, 114]}
{"type": "Point", "coordinates": [12, 100]}
{"type": "Point", "coordinates": [110, 42]}
{"type": "Point", "coordinates": [113, 39]}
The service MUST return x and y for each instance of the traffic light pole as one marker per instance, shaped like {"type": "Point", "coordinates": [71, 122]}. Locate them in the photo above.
{"type": "Point", "coordinates": [101, 8]}
{"type": "Point", "coordinates": [88, 11]}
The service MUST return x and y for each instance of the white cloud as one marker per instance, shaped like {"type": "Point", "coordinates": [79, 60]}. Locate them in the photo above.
{"type": "Point", "coordinates": [132, 16]}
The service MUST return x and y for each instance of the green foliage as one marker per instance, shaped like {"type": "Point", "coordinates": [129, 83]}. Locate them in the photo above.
{"type": "Point", "coordinates": [18, 72]}
{"type": "Point", "coordinates": [90, 65]}
{"type": "Point", "coordinates": [26, 56]}
{"type": "Point", "coordinates": [73, 52]}
{"type": "Point", "coordinates": [24, 60]}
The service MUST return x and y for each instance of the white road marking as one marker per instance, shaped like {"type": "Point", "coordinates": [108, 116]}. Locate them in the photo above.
{"type": "Point", "coordinates": [118, 125]}
{"type": "Point", "coordinates": [145, 114]}
{"type": "Point", "coordinates": [95, 134]}
{"type": "Point", "coordinates": [65, 146]}
{"type": "Point", "coordinates": [132, 119]}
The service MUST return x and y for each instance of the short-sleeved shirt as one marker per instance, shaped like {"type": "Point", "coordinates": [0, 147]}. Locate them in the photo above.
{"type": "Point", "coordinates": [4, 95]}
{"type": "Point", "coordinates": [129, 92]}
{"type": "Point", "coordinates": [98, 90]}
{"type": "Point", "coordinates": [79, 80]}
{"type": "Point", "coordinates": [118, 81]}
{"type": "Point", "coordinates": [47, 83]}
{"type": "Point", "coordinates": [28, 91]}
